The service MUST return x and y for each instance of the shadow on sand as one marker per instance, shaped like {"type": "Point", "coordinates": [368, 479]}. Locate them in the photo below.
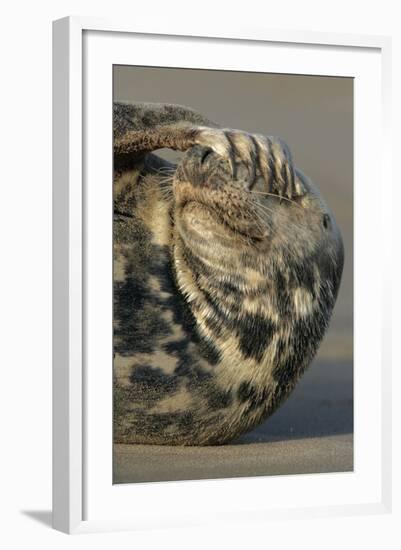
{"type": "Point", "coordinates": [321, 405]}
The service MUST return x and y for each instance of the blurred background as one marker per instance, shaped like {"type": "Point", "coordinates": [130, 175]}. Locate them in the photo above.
{"type": "Point", "coordinates": [314, 115]}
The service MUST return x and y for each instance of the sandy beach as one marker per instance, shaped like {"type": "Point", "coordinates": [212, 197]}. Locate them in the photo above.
{"type": "Point", "coordinates": [311, 433]}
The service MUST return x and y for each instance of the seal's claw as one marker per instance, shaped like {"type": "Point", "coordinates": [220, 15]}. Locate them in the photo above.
{"type": "Point", "coordinates": [266, 155]}
{"type": "Point", "coordinates": [244, 148]}
{"type": "Point", "coordinates": [264, 160]}
{"type": "Point", "coordinates": [287, 168]}
{"type": "Point", "coordinates": [233, 145]}
{"type": "Point", "coordinates": [276, 166]}
{"type": "Point", "coordinates": [217, 140]}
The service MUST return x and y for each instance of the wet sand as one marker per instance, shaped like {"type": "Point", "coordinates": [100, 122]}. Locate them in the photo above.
{"type": "Point", "coordinates": [298, 456]}
{"type": "Point", "coordinates": [311, 433]}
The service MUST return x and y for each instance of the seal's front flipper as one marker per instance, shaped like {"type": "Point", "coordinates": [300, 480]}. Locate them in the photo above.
{"type": "Point", "coordinates": [141, 128]}
{"type": "Point", "coordinates": [145, 127]}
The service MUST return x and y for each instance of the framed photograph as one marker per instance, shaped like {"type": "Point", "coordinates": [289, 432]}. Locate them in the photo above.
{"type": "Point", "coordinates": [220, 334]}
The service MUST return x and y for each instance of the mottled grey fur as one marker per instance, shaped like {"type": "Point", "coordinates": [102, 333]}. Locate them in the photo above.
{"type": "Point", "coordinates": [226, 270]}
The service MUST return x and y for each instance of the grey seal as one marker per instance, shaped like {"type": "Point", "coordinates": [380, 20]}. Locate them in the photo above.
{"type": "Point", "coordinates": [226, 271]}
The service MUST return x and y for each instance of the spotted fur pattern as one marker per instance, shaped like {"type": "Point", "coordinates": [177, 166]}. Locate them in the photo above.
{"type": "Point", "coordinates": [226, 271]}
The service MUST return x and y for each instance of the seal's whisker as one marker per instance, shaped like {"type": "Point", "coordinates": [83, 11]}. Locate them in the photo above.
{"type": "Point", "coordinates": [280, 197]}
{"type": "Point", "coordinates": [264, 208]}
{"type": "Point", "coordinates": [166, 197]}
{"type": "Point", "coordinates": [260, 222]}
{"type": "Point", "coordinates": [166, 170]}
{"type": "Point", "coordinates": [165, 181]}
{"type": "Point", "coordinates": [166, 188]}
{"type": "Point", "coordinates": [166, 194]}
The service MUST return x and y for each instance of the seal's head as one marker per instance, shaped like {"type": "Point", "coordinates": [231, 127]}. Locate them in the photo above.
{"type": "Point", "coordinates": [258, 231]}
{"type": "Point", "coordinates": [261, 265]}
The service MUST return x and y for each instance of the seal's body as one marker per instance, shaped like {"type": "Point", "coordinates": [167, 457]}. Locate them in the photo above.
{"type": "Point", "coordinates": [226, 270]}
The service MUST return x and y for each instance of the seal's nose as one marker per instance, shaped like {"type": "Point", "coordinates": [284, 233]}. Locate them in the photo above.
{"type": "Point", "coordinates": [198, 164]}
{"type": "Point", "coordinates": [199, 155]}
{"type": "Point", "coordinates": [206, 154]}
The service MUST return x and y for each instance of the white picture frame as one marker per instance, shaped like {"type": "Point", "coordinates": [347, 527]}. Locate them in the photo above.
{"type": "Point", "coordinates": [84, 498]}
